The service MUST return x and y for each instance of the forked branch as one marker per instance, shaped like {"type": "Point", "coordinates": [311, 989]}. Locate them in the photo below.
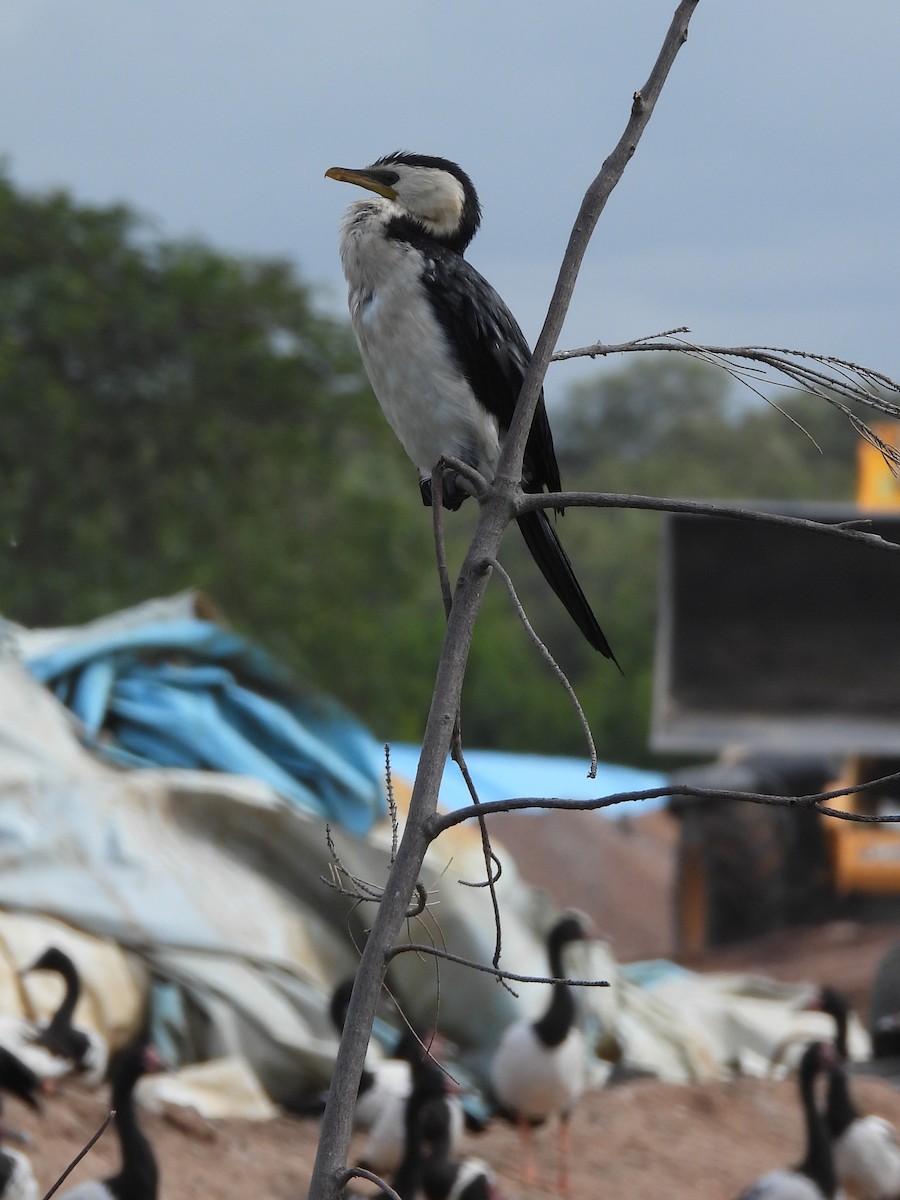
{"type": "Point", "coordinates": [837, 381]}
{"type": "Point", "coordinates": [328, 1175]}
{"type": "Point", "coordinates": [816, 800]}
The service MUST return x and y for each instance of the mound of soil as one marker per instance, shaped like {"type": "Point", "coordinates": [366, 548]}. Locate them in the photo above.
{"type": "Point", "coordinates": [639, 1139]}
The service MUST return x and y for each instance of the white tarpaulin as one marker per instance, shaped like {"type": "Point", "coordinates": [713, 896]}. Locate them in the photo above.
{"type": "Point", "coordinates": [209, 886]}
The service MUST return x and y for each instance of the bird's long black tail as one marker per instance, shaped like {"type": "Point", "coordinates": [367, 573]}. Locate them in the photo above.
{"type": "Point", "coordinates": [547, 551]}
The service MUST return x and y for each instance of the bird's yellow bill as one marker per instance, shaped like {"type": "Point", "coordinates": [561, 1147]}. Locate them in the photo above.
{"type": "Point", "coordinates": [362, 179]}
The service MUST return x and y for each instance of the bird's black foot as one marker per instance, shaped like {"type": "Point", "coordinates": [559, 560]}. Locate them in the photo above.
{"type": "Point", "coordinates": [452, 495]}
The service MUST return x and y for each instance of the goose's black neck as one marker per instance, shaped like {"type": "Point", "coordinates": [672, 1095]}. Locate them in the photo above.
{"type": "Point", "coordinates": [840, 1110]}
{"type": "Point", "coordinates": [139, 1177]}
{"type": "Point", "coordinates": [835, 1004]}
{"type": "Point", "coordinates": [59, 1035]}
{"type": "Point", "coordinates": [66, 968]}
{"type": "Point", "coordinates": [421, 1125]}
{"type": "Point", "coordinates": [439, 1171]}
{"type": "Point", "coordinates": [554, 1026]}
{"type": "Point", "coordinates": [817, 1163]}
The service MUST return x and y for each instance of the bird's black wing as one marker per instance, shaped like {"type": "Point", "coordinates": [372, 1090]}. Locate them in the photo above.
{"type": "Point", "coordinates": [493, 354]}
{"type": "Point", "coordinates": [63, 1040]}
{"type": "Point", "coordinates": [491, 351]}
{"type": "Point", "coordinates": [19, 1079]}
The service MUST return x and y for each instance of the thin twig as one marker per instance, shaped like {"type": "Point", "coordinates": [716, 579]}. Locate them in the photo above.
{"type": "Point", "coordinates": [361, 890]}
{"type": "Point", "coordinates": [482, 883]}
{"type": "Point", "coordinates": [406, 948]}
{"type": "Point", "coordinates": [361, 1173]}
{"type": "Point", "coordinates": [440, 545]}
{"type": "Point", "coordinates": [456, 750]}
{"type": "Point", "coordinates": [830, 378]}
{"type": "Point", "coordinates": [489, 856]}
{"type": "Point", "coordinates": [480, 486]}
{"type": "Point", "coordinates": [110, 1116]}
{"type": "Point", "coordinates": [391, 801]}
{"type": "Point", "coordinates": [552, 664]}
{"type": "Point", "coordinates": [526, 501]}
{"type": "Point", "coordinates": [816, 800]}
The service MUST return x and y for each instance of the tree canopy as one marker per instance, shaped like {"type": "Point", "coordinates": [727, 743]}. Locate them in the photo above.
{"type": "Point", "coordinates": [175, 416]}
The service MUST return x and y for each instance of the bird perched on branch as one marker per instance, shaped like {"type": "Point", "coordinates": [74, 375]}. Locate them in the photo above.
{"type": "Point", "coordinates": [445, 356]}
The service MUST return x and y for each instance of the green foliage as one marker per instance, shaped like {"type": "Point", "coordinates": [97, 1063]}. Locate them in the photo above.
{"type": "Point", "coordinates": [174, 416]}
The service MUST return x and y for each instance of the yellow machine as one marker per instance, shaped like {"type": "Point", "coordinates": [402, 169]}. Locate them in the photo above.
{"type": "Point", "coordinates": [779, 651]}
{"type": "Point", "coordinates": [878, 487]}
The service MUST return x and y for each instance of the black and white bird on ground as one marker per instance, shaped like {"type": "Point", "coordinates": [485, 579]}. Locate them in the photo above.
{"type": "Point", "coordinates": [385, 1083]}
{"type": "Point", "coordinates": [442, 1175]}
{"type": "Point", "coordinates": [814, 1177]}
{"type": "Point", "coordinates": [84, 1048]}
{"type": "Point", "coordinates": [138, 1177]}
{"type": "Point", "coordinates": [865, 1146]}
{"type": "Point", "coordinates": [17, 1179]}
{"type": "Point", "coordinates": [538, 1068]}
{"type": "Point", "coordinates": [445, 356]}
{"type": "Point", "coordinates": [19, 1080]}
{"type": "Point", "coordinates": [388, 1142]}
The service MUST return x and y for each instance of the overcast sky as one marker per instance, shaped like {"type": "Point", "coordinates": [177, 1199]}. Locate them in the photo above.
{"type": "Point", "coordinates": [761, 205]}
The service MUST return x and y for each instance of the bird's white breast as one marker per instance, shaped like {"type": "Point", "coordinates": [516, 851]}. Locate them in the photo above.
{"type": "Point", "coordinates": [91, 1189]}
{"type": "Point", "coordinates": [470, 1169]}
{"type": "Point", "coordinates": [21, 1184]}
{"type": "Point", "coordinates": [536, 1080]}
{"type": "Point", "coordinates": [96, 1059]}
{"type": "Point", "coordinates": [385, 1145]}
{"type": "Point", "coordinates": [18, 1035]}
{"type": "Point", "coordinates": [784, 1185]}
{"type": "Point", "coordinates": [391, 1082]}
{"type": "Point", "coordinates": [867, 1158]}
{"type": "Point", "coordinates": [413, 372]}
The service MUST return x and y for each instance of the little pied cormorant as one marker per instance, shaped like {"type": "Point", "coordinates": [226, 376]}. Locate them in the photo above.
{"type": "Point", "coordinates": [445, 356]}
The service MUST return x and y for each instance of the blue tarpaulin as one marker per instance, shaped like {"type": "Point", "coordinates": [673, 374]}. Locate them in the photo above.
{"type": "Point", "coordinates": [183, 691]}
{"type": "Point", "coordinates": [499, 775]}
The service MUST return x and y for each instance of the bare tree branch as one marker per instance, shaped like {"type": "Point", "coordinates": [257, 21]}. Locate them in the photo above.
{"type": "Point", "coordinates": [816, 800]}
{"type": "Point", "coordinates": [831, 379]}
{"type": "Point", "coordinates": [495, 514]}
{"type": "Point", "coordinates": [552, 664]}
{"type": "Point", "coordinates": [526, 501]}
{"type": "Point", "coordinates": [406, 948]}
{"type": "Point", "coordinates": [489, 857]}
{"type": "Point", "coordinates": [643, 104]}
{"type": "Point", "coordinates": [440, 544]}
{"type": "Point", "coordinates": [437, 479]}
{"type": "Point", "coordinates": [110, 1116]}
{"type": "Point", "coordinates": [361, 1173]}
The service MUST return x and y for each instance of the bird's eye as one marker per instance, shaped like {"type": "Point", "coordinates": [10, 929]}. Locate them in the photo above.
{"type": "Point", "coordinates": [389, 178]}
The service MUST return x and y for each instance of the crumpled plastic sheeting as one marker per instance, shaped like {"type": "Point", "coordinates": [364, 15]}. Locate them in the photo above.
{"type": "Point", "coordinates": [214, 883]}
{"type": "Point", "coordinates": [225, 1087]}
{"type": "Point", "coordinates": [740, 1022]}
{"type": "Point", "coordinates": [163, 684]}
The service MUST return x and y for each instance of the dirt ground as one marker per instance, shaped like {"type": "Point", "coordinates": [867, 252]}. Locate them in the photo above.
{"type": "Point", "coordinates": [638, 1139]}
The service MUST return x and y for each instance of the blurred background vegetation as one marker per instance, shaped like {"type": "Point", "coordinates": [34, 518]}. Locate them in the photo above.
{"type": "Point", "coordinates": [173, 416]}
